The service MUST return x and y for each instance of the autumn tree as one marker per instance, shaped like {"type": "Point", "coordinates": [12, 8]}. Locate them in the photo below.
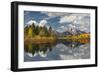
{"type": "Point", "coordinates": [26, 31]}
{"type": "Point", "coordinates": [30, 32]}
{"type": "Point", "coordinates": [33, 30]}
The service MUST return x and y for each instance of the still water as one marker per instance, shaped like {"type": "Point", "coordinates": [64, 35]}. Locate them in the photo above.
{"type": "Point", "coordinates": [59, 50]}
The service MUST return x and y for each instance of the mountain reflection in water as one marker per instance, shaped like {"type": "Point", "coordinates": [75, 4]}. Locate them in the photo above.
{"type": "Point", "coordinates": [59, 50]}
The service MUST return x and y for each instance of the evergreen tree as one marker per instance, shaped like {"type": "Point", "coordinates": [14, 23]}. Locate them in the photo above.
{"type": "Point", "coordinates": [45, 30]}
{"type": "Point", "coordinates": [42, 31]}
{"type": "Point", "coordinates": [50, 29]}
{"type": "Point", "coordinates": [33, 29]}
{"type": "Point", "coordinates": [33, 26]}
{"type": "Point", "coordinates": [37, 30]}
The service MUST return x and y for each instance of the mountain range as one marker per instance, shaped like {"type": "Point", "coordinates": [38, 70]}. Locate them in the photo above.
{"type": "Point", "coordinates": [69, 33]}
{"type": "Point", "coordinates": [72, 31]}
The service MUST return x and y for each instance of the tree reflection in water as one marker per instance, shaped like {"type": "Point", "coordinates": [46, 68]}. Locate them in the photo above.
{"type": "Point", "coordinates": [42, 49]}
{"type": "Point", "coordinates": [58, 50]}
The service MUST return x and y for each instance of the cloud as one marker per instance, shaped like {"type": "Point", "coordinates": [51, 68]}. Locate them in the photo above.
{"type": "Point", "coordinates": [51, 15]}
{"type": "Point", "coordinates": [54, 14]}
{"type": "Point", "coordinates": [72, 17]}
{"type": "Point", "coordinates": [81, 21]}
{"type": "Point", "coordinates": [80, 52]}
{"type": "Point", "coordinates": [67, 19]}
{"type": "Point", "coordinates": [71, 26]}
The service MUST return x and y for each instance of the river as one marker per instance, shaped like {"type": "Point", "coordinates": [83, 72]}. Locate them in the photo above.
{"type": "Point", "coordinates": [60, 50]}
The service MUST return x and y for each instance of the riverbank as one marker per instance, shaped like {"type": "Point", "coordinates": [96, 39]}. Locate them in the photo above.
{"type": "Point", "coordinates": [38, 39]}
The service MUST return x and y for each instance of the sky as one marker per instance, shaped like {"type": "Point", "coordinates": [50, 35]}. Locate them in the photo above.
{"type": "Point", "coordinates": [59, 21]}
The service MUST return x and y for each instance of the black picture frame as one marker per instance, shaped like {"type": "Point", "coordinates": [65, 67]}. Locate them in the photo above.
{"type": "Point", "coordinates": [14, 35]}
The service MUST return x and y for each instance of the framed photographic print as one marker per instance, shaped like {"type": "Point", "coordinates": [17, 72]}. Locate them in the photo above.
{"type": "Point", "coordinates": [52, 36]}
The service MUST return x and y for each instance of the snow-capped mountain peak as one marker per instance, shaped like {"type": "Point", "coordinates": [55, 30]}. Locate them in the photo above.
{"type": "Point", "coordinates": [31, 22]}
{"type": "Point", "coordinates": [42, 23]}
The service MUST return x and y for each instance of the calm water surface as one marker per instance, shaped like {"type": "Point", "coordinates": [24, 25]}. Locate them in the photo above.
{"type": "Point", "coordinates": [60, 50]}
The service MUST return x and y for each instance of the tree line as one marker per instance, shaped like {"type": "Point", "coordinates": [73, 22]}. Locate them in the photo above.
{"type": "Point", "coordinates": [33, 30]}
